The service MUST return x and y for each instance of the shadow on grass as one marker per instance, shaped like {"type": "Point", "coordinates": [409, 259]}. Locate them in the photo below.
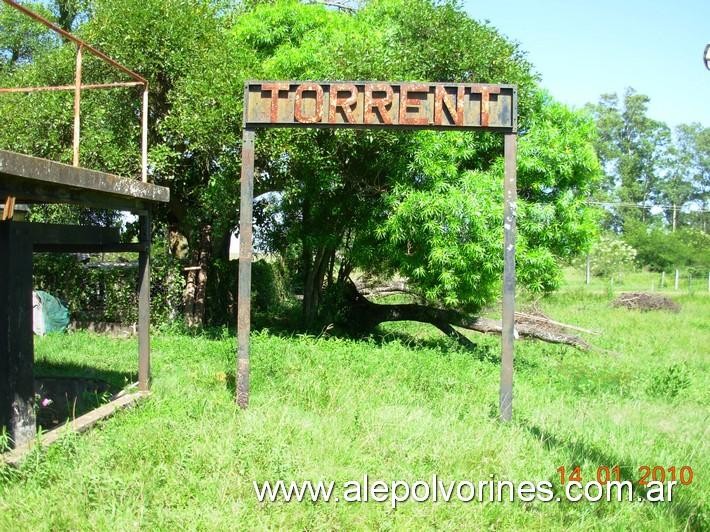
{"type": "Point", "coordinates": [287, 324]}
{"type": "Point", "coordinates": [116, 379]}
{"type": "Point", "coordinates": [66, 391]}
{"type": "Point", "coordinates": [691, 513]}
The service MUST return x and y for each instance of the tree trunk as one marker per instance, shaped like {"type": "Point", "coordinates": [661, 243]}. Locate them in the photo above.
{"type": "Point", "coordinates": [365, 315]}
{"type": "Point", "coordinates": [196, 285]}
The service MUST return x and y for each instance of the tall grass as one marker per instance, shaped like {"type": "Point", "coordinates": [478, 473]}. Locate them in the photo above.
{"type": "Point", "coordinates": [404, 404]}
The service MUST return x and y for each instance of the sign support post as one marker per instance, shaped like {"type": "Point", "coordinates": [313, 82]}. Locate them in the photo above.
{"type": "Point", "coordinates": [245, 258]}
{"type": "Point", "coordinates": [509, 228]}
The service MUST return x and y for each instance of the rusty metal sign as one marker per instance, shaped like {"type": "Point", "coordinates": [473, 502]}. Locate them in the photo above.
{"type": "Point", "coordinates": [362, 104]}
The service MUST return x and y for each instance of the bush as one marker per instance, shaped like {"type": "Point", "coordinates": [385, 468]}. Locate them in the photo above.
{"type": "Point", "coordinates": [109, 292]}
{"type": "Point", "coordinates": [269, 284]}
{"type": "Point", "coordinates": [611, 255]}
{"type": "Point", "coordinates": [661, 250]}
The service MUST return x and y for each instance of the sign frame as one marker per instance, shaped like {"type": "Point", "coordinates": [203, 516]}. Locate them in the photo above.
{"type": "Point", "coordinates": [488, 91]}
{"type": "Point", "coordinates": [278, 109]}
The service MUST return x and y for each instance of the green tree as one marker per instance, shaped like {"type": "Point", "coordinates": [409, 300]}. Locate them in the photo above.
{"type": "Point", "coordinates": [21, 38]}
{"type": "Point", "coordinates": [634, 152]}
{"type": "Point", "coordinates": [427, 206]}
{"type": "Point", "coordinates": [164, 41]}
{"type": "Point", "coordinates": [687, 182]}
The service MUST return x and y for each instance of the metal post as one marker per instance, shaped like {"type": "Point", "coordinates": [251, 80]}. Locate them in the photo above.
{"type": "Point", "coordinates": [588, 272]}
{"type": "Point", "coordinates": [245, 258]}
{"type": "Point", "coordinates": [677, 278]}
{"type": "Point", "coordinates": [508, 332]}
{"type": "Point", "coordinates": [77, 106]}
{"type": "Point", "coordinates": [144, 305]}
{"type": "Point", "coordinates": [144, 135]}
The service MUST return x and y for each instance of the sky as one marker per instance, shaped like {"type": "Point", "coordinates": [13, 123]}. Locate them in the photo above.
{"type": "Point", "coordinates": [582, 49]}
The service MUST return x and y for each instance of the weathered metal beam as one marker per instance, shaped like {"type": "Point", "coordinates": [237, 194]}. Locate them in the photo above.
{"type": "Point", "coordinates": [34, 179]}
{"type": "Point", "coordinates": [43, 234]}
{"type": "Point", "coordinates": [32, 193]}
{"type": "Point", "coordinates": [509, 226]}
{"type": "Point", "coordinates": [59, 238]}
{"type": "Point", "coordinates": [245, 259]}
{"type": "Point", "coordinates": [144, 305]}
{"type": "Point", "coordinates": [133, 247]}
{"type": "Point", "coordinates": [17, 401]}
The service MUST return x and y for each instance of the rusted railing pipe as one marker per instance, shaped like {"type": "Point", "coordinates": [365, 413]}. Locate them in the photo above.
{"type": "Point", "coordinates": [144, 136]}
{"type": "Point", "coordinates": [77, 107]}
{"type": "Point", "coordinates": [85, 86]}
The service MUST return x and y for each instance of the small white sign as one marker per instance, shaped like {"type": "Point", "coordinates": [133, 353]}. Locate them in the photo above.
{"type": "Point", "coordinates": [234, 247]}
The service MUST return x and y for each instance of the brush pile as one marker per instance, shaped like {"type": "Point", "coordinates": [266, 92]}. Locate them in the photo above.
{"type": "Point", "coordinates": [645, 302]}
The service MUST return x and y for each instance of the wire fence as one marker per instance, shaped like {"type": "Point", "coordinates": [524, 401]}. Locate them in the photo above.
{"type": "Point", "coordinates": [675, 281]}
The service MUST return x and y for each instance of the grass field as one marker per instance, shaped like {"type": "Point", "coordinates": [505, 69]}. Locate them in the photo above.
{"type": "Point", "coordinates": [403, 405]}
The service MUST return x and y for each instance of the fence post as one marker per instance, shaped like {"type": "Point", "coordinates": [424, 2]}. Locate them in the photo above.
{"type": "Point", "coordinates": [588, 272]}
{"type": "Point", "coordinates": [663, 279]}
{"type": "Point", "coordinates": [677, 278]}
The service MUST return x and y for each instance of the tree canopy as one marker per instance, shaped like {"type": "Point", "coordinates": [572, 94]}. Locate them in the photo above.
{"type": "Point", "coordinates": [426, 206]}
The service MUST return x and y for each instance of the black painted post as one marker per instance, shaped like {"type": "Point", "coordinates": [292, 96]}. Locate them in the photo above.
{"type": "Point", "coordinates": [508, 332]}
{"type": "Point", "coordinates": [245, 258]}
{"type": "Point", "coordinates": [144, 304]}
{"type": "Point", "coordinates": [17, 400]}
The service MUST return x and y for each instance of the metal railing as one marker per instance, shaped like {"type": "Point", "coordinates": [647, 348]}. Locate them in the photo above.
{"type": "Point", "coordinates": [77, 87]}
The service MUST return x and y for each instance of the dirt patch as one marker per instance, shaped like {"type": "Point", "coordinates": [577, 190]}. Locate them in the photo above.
{"type": "Point", "coordinates": [644, 301]}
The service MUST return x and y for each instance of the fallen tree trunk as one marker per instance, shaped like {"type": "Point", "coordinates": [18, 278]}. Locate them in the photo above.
{"type": "Point", "coordinates": [369, 314]}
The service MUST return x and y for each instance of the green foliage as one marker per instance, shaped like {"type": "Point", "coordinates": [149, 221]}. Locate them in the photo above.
{"type": "Point", "coordinates": [441, 227]}
{"type": "Point", "coordinates": [670, 381]}
{"type": "Point", "coordinates": [109, 293]}
{"type": "Point", "coordinates": [662, 250]}
{"type": "Point", "coordinates": [428, 206]}
{"type": "Point", "coordinates": [633, 147]}
{"type": "Point", "coordinates": [645, 166]}
{"type": "Point", "coordinates": [270, 285]}
{"type": "Point", "coordinates": [21, 38]}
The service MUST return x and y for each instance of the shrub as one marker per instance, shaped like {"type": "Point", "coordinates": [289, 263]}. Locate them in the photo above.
{"type": "Point", "coordinates": [611, 255]}
{"type": "Point", "coordinates": [661, 250]}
